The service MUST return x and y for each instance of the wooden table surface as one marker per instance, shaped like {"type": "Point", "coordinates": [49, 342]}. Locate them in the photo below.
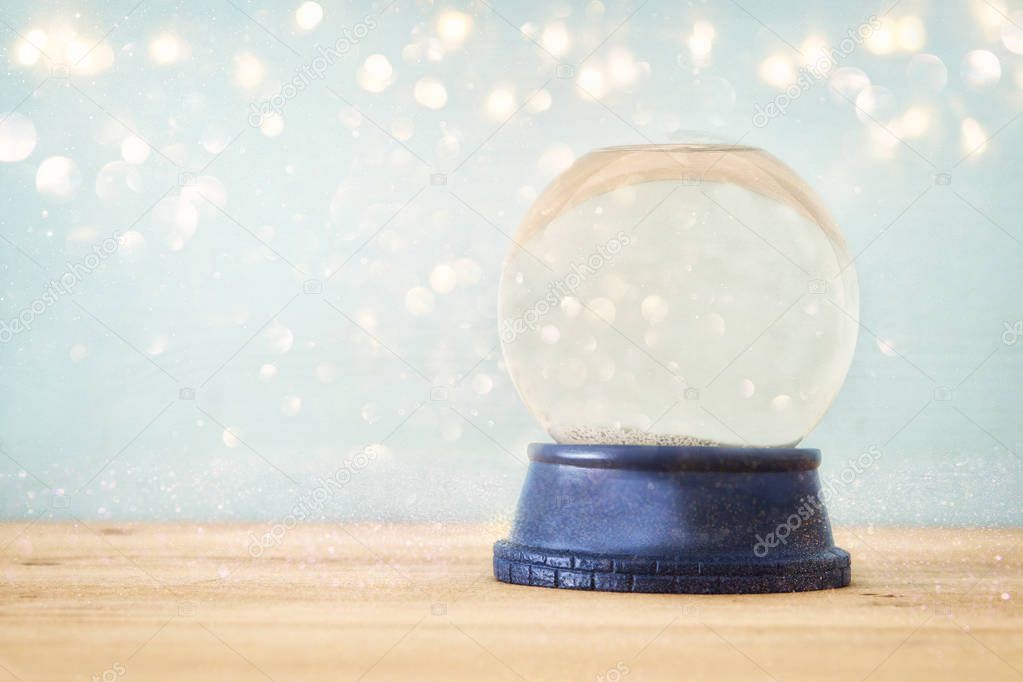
{"type": "Point", "coordinates": [418, 602]}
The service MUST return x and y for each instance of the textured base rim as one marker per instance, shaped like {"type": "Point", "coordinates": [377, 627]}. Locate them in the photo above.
{"type": "Point", "coordinates": [521, 565]}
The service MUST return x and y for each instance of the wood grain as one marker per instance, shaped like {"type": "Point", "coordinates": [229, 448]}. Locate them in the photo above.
{"type": "Point", "coordinates": [401, 602]}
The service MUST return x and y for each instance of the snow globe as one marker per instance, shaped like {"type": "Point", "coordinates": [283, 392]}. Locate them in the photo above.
{"type": "Point", "coordinates": [678, 318]}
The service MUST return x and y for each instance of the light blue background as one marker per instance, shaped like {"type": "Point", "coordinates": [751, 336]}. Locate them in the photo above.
{"type": "Point", "coordinates": [92, 422]}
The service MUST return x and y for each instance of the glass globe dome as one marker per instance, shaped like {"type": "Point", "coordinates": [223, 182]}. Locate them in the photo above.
{"type": "Point", "coordinates": [692, 294]}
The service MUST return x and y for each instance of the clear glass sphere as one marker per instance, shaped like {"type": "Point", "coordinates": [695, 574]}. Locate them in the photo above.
{"type": "Point", "coordinates": [695, 294]}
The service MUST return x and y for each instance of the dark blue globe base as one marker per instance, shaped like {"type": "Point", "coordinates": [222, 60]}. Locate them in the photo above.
{"type": "Point", "coordinates": [687, 520]}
